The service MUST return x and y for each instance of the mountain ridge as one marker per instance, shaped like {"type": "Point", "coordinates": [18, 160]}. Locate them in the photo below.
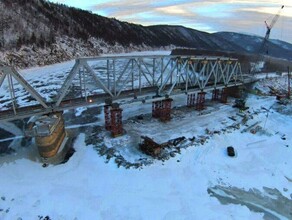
{"type": "Point", "coordinates": [42, 27]}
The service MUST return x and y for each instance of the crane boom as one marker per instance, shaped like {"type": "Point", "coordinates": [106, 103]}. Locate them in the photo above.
{"type": "Point", "coordinates": [275, 19]}
{"type": "Point", "coordinates": [269, 28]}
{"type": "Point", "coordinates": [264, 47]}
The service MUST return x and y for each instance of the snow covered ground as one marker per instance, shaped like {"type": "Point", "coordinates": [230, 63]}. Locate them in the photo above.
{"type": "Point", "coordinates": [200, 182]}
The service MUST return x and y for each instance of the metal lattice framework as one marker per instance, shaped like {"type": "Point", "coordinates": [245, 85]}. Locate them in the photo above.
{"type": "Point", "coordinates": [162, 74]}
{"type": "Point", "coordinates": [115, 78]}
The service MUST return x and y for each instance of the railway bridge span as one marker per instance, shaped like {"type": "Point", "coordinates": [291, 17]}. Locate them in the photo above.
{"type": "Point", "coordinates": [110, 81]}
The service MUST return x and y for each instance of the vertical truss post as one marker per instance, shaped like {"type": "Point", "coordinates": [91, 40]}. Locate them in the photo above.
{"type": "Point", "coordinates": [215, 95]}
{"type": "Point", "coordinates": [162, 67]}
{"type": "Point", "coordinates": [132, 73]}
{"type": "Point", "coordinates": [108, 74]}
{"type": "Point", "coordinates": [80, 81]}
{"type": "Point", "coordinates": [82, 69]}
{"type": "Point", "coordinates": [140, 76]}
{"type": "Point", "coordinates": [153, 71]}
{"type": "Point", "coordinates": [224, 95]}
{"type": "Point", "coordinates": [191, 100]}
{"type": "Point", "coordinates": [116, 121]}
{"type": "Point", "coordinates": [12, 94]}
{"type": "Point", "coordinates": [200, 101]}
{"type": "Point", "coordinates": [107, 119]}
{"type": "Point", "coordinates": [114, 75]}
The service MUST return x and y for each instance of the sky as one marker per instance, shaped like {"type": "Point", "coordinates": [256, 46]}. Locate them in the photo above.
{"type": "Point", "coordinates": [242, 16]}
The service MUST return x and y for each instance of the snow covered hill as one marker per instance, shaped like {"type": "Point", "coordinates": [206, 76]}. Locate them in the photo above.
{"type": "Point", "coordinates": [37, 32]}
{"type": "Point", "coordinates": [276, 48]}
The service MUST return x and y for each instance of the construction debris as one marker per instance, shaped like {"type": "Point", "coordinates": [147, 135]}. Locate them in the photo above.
{"type": "Point", "coordinates": [250, 127]}
{"type": "Point", "coordinates": [240, 104]}
{"type": "Point", "coordinates": [150, 147]}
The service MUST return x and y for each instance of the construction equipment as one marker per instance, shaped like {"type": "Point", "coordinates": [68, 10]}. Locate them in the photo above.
{"type": "Point", "coordinates": [264, 45]}
{"type": "Point", "coordinates": [230, 151]}
{"type": "Point", "coordinates": [240, 104]}
{"type": "Point", "coordinates": [269, 28]}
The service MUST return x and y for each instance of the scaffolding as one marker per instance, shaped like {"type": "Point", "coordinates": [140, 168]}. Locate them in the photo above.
{"type": "Point", "coordinates": [116, 121]}
{"type": "Point", "coordinates": [107, 119]}
{"type": "Point", "coordinates": [200, 104]}
{"type": "Point", "coordinates": [215, 95]}
{"type": "Point", "coordinates": [191, 100]}
{"type": "Point", "coordinates": [224, 95]}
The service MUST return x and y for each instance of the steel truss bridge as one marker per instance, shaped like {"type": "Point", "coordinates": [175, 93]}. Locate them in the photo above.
{"type": "Point", "coordinates": [96, 80]}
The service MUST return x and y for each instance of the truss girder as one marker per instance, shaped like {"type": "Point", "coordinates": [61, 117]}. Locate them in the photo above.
{"type": "Point", "coordinates": [162, 75]}
{"type": "Point", "coordinates": [11, 72]}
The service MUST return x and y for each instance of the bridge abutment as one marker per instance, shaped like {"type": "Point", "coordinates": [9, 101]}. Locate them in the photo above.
{"type": "Point", "coordinates": [49, 132]}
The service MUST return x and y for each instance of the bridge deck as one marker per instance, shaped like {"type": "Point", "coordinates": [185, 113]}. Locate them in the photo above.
{"type": "Point", "coordinates": [129, 96]}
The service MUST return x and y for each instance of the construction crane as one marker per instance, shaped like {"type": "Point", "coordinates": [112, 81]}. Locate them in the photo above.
{"type": "Point", "coordinates": [269, 28]}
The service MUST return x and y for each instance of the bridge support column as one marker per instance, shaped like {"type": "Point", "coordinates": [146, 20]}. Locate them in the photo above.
{"type": "Point", "coordinates": [224, 95]}
{"type": "Point", "coordinates": [116, 121]}
{"type": "Point", "coordinates": [191, 102]}
{"type": "Point", "coordinates": [215, 95]}
{"type": "Point", "coordinates": [49, 133]}
{"type": "Point", "coordinates": [200, 101]}
{"type": "Point", "coordinates": [156, 109]}
{"type": "Point", "coordinates": [162, 109]}
{"type": "Point", "coordinates": [165, 111]}
{"type": "Point", "coordinates": [235, 91]}
{"type": "Point", "coordinates": [107, 120]}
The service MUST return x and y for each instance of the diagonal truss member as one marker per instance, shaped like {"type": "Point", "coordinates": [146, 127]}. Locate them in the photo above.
{"type": "Point", "coordinates": [10, 73]}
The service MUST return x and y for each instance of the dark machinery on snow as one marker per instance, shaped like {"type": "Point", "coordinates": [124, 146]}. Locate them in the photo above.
{"type": "Point", "coordinates": [240, 104]}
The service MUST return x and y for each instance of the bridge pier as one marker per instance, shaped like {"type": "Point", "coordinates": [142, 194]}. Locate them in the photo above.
{"type": "Point", "coordinates": [235, 91]}
{"type": "Point", "coordinates": [200, 101]}
{"type": "Point", "coordinates": [49, 133]}
{"type": "Point", "coordinates": [215, 95]}
{"type": "Point", "coordinates": [156, 108]}
{"type": "Point", "coordinates": [162, 109]}
{"type": "Point", "coordinates": [116, 125]}
{"type": "Point", "coordinates": [224, 95]}
{"type": "Point", "coordinates": [191, 100]}
{"type": "Point", "coordinates": [107, 119]}
{"type": "Point", "coordinates": [165, 114]}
